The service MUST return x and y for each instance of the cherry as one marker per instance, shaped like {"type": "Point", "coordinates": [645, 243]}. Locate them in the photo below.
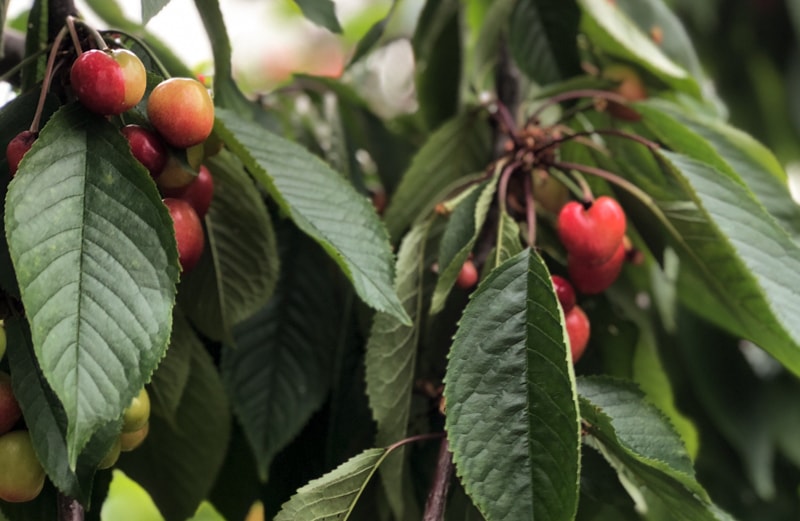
{"type": "Point", "coordinates": [593, 232]}
{"type": "Point", "coordinates": [181, 111]}
{"type": "Point", "coordinates": [629, 86]}
{"type": "Point", "coordinates": [131, 440]}
{"type": "Point", "coordinates": [564, 292]}
{"type": "Point", "coordinates": [108, 81]}
{"type": "Point", "coordinates": [197, 193]}
{"type": "Point", "coordinates": [147, 147]}
{"type": "Point", "coordinates": [10, 413]}
{"type": "Point", "coordinates": [468, 276]}
{"type": "Point", "coordinates": [548, 191]}
{"type": "Point", "coordinates": [174, 176]}
{"type": "Point", "coordinates": [137, 414]}
{"type": "Point", "coordinates": [111, 456]}
{"type": "Point", "coordinates": [188, 232]}
{"type": "Point", "coordinates": [21, 473]}
{"type": "Point", "coordinates": [578, 329]}
{"type": "Point", "coordinates": [18, 147]}
{"type": "Point", "coordinates": [595, 278]}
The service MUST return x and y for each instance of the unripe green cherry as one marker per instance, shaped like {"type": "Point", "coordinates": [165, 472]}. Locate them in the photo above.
{"type": "Point", "coordinates": [111, 456]}
{"type": "Point", "coordinates": [21, 473]}
{"type": "Point", "coordinates": [137, 414]}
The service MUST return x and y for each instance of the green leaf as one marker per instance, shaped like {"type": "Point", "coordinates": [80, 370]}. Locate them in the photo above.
{"type": "Point", "coordinates": [178, 466]}
{"type": "Point", "coordinates": [94, 251]}
{"type": "Point", "coordinates": [170, 379]}
{"type": "Point", "coordinates": [746, 261]}
{"type": "Point", "coordinates": [728, 149]}
{"type": "Point", "coordinates": [322, 13]}
{"type": "Point", "coordinates": [239, 268]}
{"type": "Point", "coordinates": [373, 36]}
{"type": "Point", "coordinates": [543, 39]}
{"type": "Point", "coordinates": [280, 370]}
{"type": "Point", "coordinates": [463, 228]}
{"type": "Point", "coordinates": [641, 445]}
{"type": "Point", "coordinates": [512, 417]}
{"type": "Point", "coordinates": [150, 8]}
{"type": "Point", "coordinates": [508, 241]}
{"type": "Point", "coordinates": [334, 495]}
{"type": "Point", "coordinates": [323, 205]}
{"type": "Point", "coordinates": [607, 27]}
{"type": "Point", "coordinates": [47, 423]}
{"type": "Point", "coordinates": [391, 361]}
{"type": "Point", "coordinates": [459, 147]}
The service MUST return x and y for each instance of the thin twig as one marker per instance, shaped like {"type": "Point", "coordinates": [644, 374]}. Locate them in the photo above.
{"type": "Point", "coordinates": [608, 176]}
{"type": "Point", "coordinates": [576, 94]}
{"type": "Point", "coordinates": [69, 509]}
{"type": "Point", "coordinates": [530, 211]}
{"type": "Point", "coordinates": [437, 496]}
{"type": "Point", "coordinates": [652, 145]}
{"type": "Point", "coordinates": [502, 184]}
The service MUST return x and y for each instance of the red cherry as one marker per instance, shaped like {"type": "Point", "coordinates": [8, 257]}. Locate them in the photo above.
{"type": "Point", "coordinates": [188, 232]}
{"type": "Point", "coordinates": [147, 147]}
{"type": "Point", "coordinates": [468, 276]}
{"type": "Point", "coordinates": [595, 278]}
{"type": "Point", "coordinates": [108, 81]}
{"type": "Point", "coordinates": [564, 292]}
{"type": "Point", "coordinates": [592, 233]}
{"type": "Point", "coordinates": [17, 148]}
{"type": "Point", "coordinates": [578, 330]}
{"type": "Point", "coordinates": [10, 413]}
{"type": "Point", "coordinates": [198, 193]}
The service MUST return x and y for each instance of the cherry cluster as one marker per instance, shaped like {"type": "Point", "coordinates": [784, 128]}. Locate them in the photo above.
{"type": "Point", "coordinates": [170, 145]}
{"type": "Point", "coordinates": [22, 475]}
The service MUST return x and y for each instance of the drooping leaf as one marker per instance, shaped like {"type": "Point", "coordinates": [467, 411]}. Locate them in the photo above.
{"type": "Point", "coordinates": [178, 466]}
{"type": "Point", "coordinates": [610, 29]}
{"type": "Point", "coordinates": [170, 379]}
{"type": "Point", "coordinates": [641, 445]}
{"type": "Point", "coordinates": [390, 363]}
{"type": "Point", "coordinates": [459, 238]}
{"type": "Point", "coordinates": [460, 147]}
{"type": "Point", "coordinates": [239, 268]}
{"type": "Point", "coordinates": [47, 423]}
{"type": "Point", "coordinates": [323, 205]}
{"type": "Point", "coordinates": [373, 35]}
{"type": "Point", "coordinates": [94, 251]}
{"type": "Point", "coordinates": [150, 8]}
{"type": "Point", "coordinates": [278, 374]}
{"type": "Point", "coordinates": [512, 413]}
{"type": "Point", "coordinates": [334, 495]}
{"type": "Point", "coordinates": [321, 12]}
{"type": "Point", "coordinates": [543, 39]}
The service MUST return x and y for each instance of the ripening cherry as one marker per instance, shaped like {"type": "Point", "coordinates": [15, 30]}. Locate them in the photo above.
{"type": "Point", "coordinates": [21, 473]}
{"type": "Point", "coordinates": [564, 292]}
{"type": "Point", "coordinates": [592, 231]}
{"type": "Point", "coordinates": [108, 81]}
{"type": "Point", "coordinates": [593, 278]}
{"type": "Point", "coordinates": [468, 276]}
{"type": "Point", "coordinates": [188, 232]}
{"type": "Point", "coordinates": [630, 86]}
{"type": "Point", "coordinates": [181, 110]}
{"type": "Point", "coordinates": [10, 412]}
{"type": "Point", "coordinates": [578, 330]}
{"type": "Point", "coordinates": [137, 414]}
{"type": "Point", "coordinates": [17, 148]}
{"type": "Point", "coordinates": [111, 456]}
{"type": "Point", "coordinates": [131, 440]}
{"type": "Point", "coordinates": [198, 193]}
{"type": "Point", "coordinates": [147, 147]}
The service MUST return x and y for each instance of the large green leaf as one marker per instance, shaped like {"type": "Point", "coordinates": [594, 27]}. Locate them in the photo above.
{"type": "Point", "coordinates": [178, 465]}
{"type": "Point", "coordinates": [641, 445]}
{"type": "Point", "coordinates": [323, 205]}
{"type": "Point", "coordinates": [512, 413]}
{"type": "Point", "coordinates": [334, 495]}
{"type": "Point", "coordinates": [391, 361]}
{"type": "Point", "coordinates": [47, 423]}
{"type": "Point", "coordinates": [459, 147]}
{"type": "Point", "coordinates": [238, 270]}
{"type": "Point", "coordinates": [463, 228]}
{"type": "Point", "coordinates": [543, 39]}
{"type": "Point", "coordinates": [279, 373]}
{"type": "Point", "coordinates": [94, 252]}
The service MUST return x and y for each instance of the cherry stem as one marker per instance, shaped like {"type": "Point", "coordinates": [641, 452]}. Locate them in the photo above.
{"type": "Point", "coordinates": [101, 43]}
{"type": "Point", "coordinates": [502, 185]}
{"type": "Point", "coordinates": [652, 145]}
{"type": "Point", "coordinates": [437, 496]}
{"type": "Point", "coordinates": [500, 113]}
{"type": "Point", "coordinates": [138, 41]}
{"type": "Point", "coordinates": [413, 439]}
{"type": "Point", "coordinates": [567, 181]}
{"type": "Point", "coordinates": [76, 42]}
{"type": "Point", "coordinates": [608, 176]}
{"type": "Point", "coordinates": [575, 94]}
{"type": "Point", "coordinates": [48, 77]}
{"type": "Point", "coordinates": [530, 210]}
